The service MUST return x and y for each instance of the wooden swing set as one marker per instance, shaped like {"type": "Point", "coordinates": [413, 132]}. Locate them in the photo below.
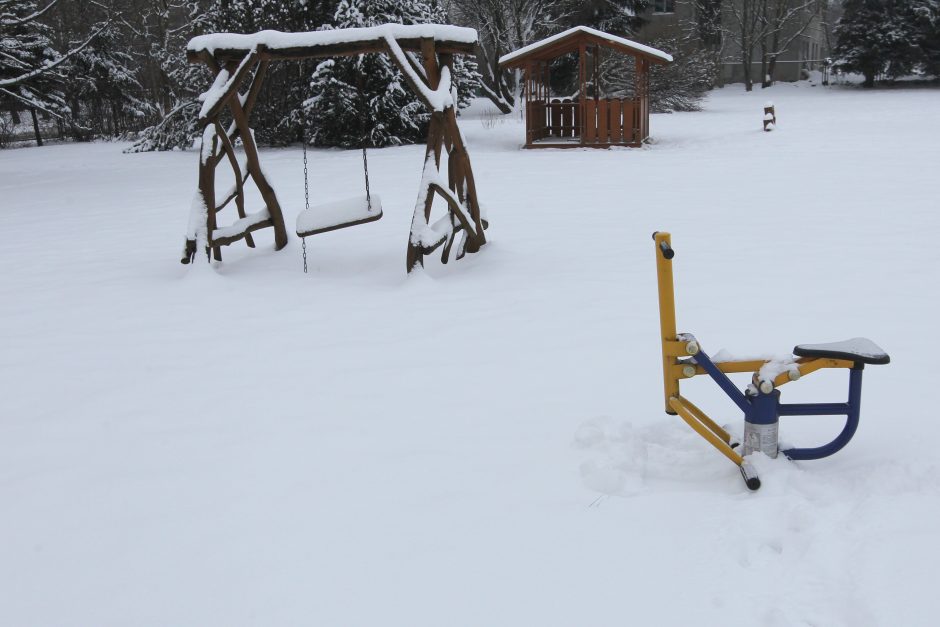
{"type": "Point", "coordinates": [239, 60]}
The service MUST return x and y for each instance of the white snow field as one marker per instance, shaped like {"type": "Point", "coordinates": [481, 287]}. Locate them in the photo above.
{"type": "Point", "coordinates": [484, 443]}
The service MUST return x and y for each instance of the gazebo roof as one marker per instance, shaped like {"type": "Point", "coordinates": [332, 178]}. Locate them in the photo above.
{"type": "Point", "coordinates": [571, 39]}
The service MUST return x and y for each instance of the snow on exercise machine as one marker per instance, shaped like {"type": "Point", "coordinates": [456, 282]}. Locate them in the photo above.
{"type": "Point", "coordinates": [243, 59]}
{"type": "Point", "coordinates": [683, 358]}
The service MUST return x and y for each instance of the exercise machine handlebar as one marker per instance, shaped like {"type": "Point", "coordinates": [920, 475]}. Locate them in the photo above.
{"type": "Point", "coordinates": [668, 253]}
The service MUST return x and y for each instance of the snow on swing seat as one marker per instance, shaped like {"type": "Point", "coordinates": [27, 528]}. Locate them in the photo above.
{"type": "Point", "coordinates": [338, 214]}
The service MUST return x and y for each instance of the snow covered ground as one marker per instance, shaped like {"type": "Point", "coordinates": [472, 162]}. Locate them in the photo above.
{"type": "Point", "coordinates": [482, 444]}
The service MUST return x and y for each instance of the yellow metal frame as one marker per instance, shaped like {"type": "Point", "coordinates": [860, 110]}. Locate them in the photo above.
{"type": "Point", "coordinates": [676, 346]}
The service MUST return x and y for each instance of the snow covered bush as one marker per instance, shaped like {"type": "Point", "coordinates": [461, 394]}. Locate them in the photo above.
{"type": "Point", "coordinates": [677, 86]}
{"type": "Point", "coordinates": [682, 84]}
{"type": "Point", "coordinates": [6, 129]}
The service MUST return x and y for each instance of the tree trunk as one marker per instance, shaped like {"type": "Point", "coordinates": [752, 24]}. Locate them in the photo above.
{"type": "Point", "coordinates": [869, 78]}
{"type": "Point", "coordinates": [746, 66]}
{"type": "Point", "coordinates": [16, 116]}
{"type": "Point", "coordinates": [36, 127]}
{"type": "Point", "coordinates": [764, 82]}
{"type": "Point", "coordinates": [747, 48]}
{"type": "Point", "coordinates": [491, 81]}
{"type": "Point", "coordinates": [771, 68]}
{"type": "Point", "coordinates": [772, 65]}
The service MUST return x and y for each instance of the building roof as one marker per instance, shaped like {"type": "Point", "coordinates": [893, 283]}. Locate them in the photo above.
{"type": "Point", "coordinates": [571, 39]}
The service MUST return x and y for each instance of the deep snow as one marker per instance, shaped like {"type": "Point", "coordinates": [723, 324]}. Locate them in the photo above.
{"type": "Point", "coordinates": [482, 444]}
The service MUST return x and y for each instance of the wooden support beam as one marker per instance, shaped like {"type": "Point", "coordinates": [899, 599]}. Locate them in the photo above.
{"type": "Point", "coordinates": [342, 49]}
{"type": "Point", "coordinates": [254, 167]}
{"type": "Point", "coordinates": [246, 234]}
{"type": "Point", "coordinates": [229, 150]}
{"type": "Point", "coordinates": [235, 80]}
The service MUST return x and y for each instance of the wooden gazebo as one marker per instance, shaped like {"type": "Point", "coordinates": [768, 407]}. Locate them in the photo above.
{"type": "Point", "coordinates": [591, 116]}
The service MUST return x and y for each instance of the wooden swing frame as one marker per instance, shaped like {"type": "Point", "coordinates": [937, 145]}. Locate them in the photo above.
{"type": "Point", "coordinates": [244, 59]}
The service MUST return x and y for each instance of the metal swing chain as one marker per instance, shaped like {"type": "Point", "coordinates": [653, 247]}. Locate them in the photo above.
{"type": "Point", "coordinates": [365, 169]}
{"type": "Point", "coordinates": [306, 201]}
{"type": "Point", "coordinates": [363, 122]}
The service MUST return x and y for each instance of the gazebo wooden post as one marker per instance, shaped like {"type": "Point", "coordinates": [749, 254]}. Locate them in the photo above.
{"type": "Point", "coordinates": [529, 106]}
{"type": "Point", "coordinates": [548, 115]}
{"type": "Point", "coordinates": [645, 85]}
{"type": "Point", "coordinates": [641, 95]}
{"type": "Point", "coordinates": [582, 89]}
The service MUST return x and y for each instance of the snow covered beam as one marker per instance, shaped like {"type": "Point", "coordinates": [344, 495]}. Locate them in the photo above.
{"type": "Point", "coordinates": [275, 45]}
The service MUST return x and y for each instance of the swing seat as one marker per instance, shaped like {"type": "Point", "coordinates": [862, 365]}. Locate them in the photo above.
{"type": "Point", "coordinates": [858, 349]}
{"type": "Point", "coordinates": [338, 214]}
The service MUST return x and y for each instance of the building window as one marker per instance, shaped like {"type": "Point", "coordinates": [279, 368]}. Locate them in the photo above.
{"type": "Point", "coordinates": [664, 6]}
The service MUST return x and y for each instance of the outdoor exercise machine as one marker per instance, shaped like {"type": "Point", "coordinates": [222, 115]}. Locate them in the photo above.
{"type": "Point", "coordinates": [425, 55]}
{"type": "Point", "coordinates": [683, 358]}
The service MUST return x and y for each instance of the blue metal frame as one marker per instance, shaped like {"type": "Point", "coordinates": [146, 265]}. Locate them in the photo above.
{"type": "Point", "coordinates": [761, 408]}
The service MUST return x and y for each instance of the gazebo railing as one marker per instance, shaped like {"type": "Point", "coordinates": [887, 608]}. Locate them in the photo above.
{"type": "Point", "coordinates": [564, 118]}
{"type": "Point", "coordinates": [602, 121]}
{"type": "Point", "coordinates": [612, 121]}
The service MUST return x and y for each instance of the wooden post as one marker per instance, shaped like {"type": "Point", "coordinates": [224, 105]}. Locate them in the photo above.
{"type": "Point", "coordinates": [770, 117]}
{"type": "Point", "coordinates": [207, 189]}
{"type": "Point", "coordinates": [223, 147]}
{"type": "Point", "coordinates": [415, 256]}
{"type": "Point", "coordinates": [529, 106]}
{"type": "Point", "coordinates": [582, 90]}
{"type": "Point", "coordinates": [254, 167]}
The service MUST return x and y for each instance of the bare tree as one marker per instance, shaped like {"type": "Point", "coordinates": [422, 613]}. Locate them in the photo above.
{"type": "Point", "coordinates": [786, 22]}
{"type": "Point", "coordinates": [767, 26]}
{"type": "Point", "coordinates": [504, 26]}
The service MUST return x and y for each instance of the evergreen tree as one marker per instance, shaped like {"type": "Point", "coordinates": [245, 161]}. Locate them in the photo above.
{"type": "Point", "coordinates": [364, 97]}
{"type": "Point", "coordinates": [617, 17]}
{"type": "Point", "coordinates": [927, 22]}
{"type": "Point", "coordinates": [104, 92]}
{"type": "Point", "coordinates": [30, 69]}
{"type": "Point", "coordinates": [277, 118]}
{"type": "Point", "coordinates": [175, 83]}
{"type": "Point", "coordinates": [876, 37]}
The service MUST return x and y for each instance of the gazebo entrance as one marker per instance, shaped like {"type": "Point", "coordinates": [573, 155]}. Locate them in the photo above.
{"type": "Point", "coordinates": [600, 113]}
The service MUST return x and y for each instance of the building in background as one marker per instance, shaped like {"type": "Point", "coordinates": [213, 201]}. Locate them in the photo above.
{"type": "Point", "coordinates": [801, 35]}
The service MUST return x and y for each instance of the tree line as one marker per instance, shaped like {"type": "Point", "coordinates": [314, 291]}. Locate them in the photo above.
{"type": "Point", "coordinates": [81, 69]}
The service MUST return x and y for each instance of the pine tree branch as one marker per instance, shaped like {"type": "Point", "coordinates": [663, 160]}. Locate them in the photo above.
{"type": "Point", "coordinates": [23, 78]}
{"type": "Point", "coordinates": [31, 103]}
{"type": "Point", "coordinates": [19, 21]}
